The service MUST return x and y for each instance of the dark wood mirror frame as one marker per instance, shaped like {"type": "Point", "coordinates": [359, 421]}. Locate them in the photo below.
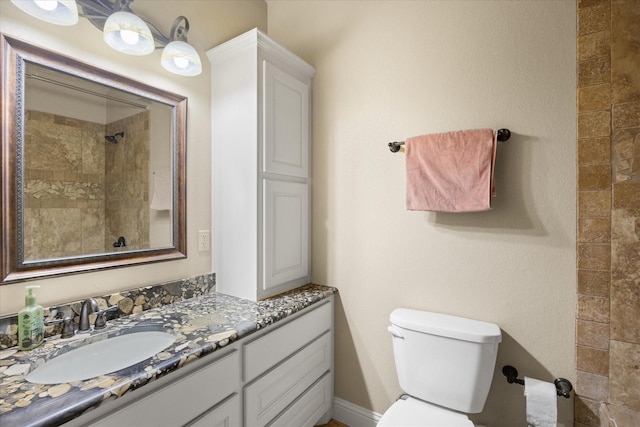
{"type": "Point", "coordinates": [13, 54]}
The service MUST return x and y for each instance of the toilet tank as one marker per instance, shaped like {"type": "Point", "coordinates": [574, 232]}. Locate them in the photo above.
{"type": "Point", "coordinates": [442, 359]}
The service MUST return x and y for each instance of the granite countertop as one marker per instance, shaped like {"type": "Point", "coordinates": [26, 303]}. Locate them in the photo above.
{"type": "Point", "coordinates": [201, 324]}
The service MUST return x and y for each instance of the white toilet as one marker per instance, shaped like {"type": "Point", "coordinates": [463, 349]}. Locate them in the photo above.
{"type": "Point", "coordinates": [445, 366]}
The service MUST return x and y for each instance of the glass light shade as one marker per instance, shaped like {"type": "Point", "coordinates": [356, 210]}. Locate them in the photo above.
{"type": "Point", "coordinates": [129, 34]}
{"type": "Point", "coordinates": [181, 58]}
{"type": "Point", "coordinates": [59, 12]}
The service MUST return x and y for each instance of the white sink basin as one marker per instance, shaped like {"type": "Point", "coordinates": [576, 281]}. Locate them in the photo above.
{"type": "Point", "coordinates": [102, 357]}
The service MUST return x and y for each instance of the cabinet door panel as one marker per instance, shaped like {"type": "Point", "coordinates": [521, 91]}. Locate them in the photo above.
{"type": "Point", "coordinates": [286, 233]}
{"type": "Point", "coordinates": [286, 123]}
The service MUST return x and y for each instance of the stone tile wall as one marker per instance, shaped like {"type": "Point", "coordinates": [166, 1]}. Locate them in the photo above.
{"type": "Point", "coordinates": [608, 315]}
{"type": "Point", "coordinates": [82, 192]}
{"type": "Point", "coordinates": [127, 183]}
{"type": "Point", "coordinates": [64, 186]}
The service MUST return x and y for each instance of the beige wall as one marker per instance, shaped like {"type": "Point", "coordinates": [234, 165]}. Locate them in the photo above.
{"type": "Point", "coordinates": [211, 23]}
{"type": "Point", "coordinates": [387, 70]}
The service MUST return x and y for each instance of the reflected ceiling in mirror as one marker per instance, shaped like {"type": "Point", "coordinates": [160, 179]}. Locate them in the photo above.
{"type": "Point", "coordinates": [93, 167]}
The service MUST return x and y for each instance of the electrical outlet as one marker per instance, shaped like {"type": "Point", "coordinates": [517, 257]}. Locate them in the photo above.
{"type": "Point", "coordinates": [204, 240]}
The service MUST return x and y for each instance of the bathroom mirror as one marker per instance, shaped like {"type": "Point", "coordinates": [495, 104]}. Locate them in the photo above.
{"type": "Point", "coordinates": [93, 167]}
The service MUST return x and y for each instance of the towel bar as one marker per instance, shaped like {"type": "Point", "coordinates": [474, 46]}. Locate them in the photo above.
{"type": "Point", "coordinates": [503, 135]}
{"type": "Point", "coordinates": [563, 385]}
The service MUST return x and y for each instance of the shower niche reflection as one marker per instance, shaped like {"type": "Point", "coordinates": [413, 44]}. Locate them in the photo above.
{"type": "Point", "coordinates": [89, 168]}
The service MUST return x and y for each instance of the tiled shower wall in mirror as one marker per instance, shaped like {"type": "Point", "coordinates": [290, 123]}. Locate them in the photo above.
{"type": "Point", "coordinates": [81, 191]}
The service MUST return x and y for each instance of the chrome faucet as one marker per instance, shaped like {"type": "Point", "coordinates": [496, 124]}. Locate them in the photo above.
{"type": "Point", "coordinates": [89, 306]}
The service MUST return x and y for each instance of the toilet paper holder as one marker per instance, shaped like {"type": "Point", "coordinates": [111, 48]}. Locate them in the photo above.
{"type": "Point", "coordinates": [563, 385]}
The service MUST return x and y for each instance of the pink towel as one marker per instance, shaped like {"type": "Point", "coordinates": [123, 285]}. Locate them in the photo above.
{"type": "Point", "coordinates": [450, 172]}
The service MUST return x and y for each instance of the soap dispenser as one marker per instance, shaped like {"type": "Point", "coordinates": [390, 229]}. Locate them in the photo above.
{"type": "Point", "coordinates": [30, 322]}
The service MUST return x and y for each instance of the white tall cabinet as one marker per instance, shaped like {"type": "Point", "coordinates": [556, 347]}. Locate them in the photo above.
{"type": "Point", "coordinates": [260, 127]}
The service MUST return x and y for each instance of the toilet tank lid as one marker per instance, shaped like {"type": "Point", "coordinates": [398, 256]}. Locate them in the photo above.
{"type": "Point", "coordinates": [446, 325]}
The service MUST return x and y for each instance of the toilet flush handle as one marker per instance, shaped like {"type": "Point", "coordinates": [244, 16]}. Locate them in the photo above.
{"type": "Point", "coordinates": [395, 331]}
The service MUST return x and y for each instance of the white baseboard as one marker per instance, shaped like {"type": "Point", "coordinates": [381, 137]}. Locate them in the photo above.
{"type": "Point", "coordinates": [354, 415]}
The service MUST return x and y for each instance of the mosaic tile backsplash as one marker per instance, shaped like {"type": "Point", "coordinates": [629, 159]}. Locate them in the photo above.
{"type": "Point", "coordinates": [128, 302]}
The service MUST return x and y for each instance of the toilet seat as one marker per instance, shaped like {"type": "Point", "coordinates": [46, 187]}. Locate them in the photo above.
{"type": "Point", "coordinates": [417, 413]}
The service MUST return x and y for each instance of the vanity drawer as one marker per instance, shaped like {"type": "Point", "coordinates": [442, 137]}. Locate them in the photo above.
{"type": "Point", "coordinates": [226, 414]}
{"type": "Point", "coordinates": [180, 401]}
{"type": "Point", "coordinates": [273, 347]}
{"type": "Point", "coordinates": [273, 392]}
{"type": "Point", "coordinates": [308, 410]}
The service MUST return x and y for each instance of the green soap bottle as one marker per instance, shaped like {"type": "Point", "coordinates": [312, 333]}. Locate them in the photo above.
{"type": "Point", "coordinates": [30, 322]}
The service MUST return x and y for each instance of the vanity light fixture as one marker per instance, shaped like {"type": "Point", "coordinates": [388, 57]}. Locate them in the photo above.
{"type": "Point", "coordinates": [127, 33]}
{"type": "Point", "coordinates": [178, 56]}
{"type": "Point", "coordinates": [123, 29]}
{"type": "Point", "coordinates": [59, 12]}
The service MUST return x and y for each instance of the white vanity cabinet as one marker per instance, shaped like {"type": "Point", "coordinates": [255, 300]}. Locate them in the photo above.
{"type": "Point", "coordinates": [205, 393]}
{"type": "Point", "coordinates": [279, 376]}
{"type": "Point", "coordinates": [260, 124]}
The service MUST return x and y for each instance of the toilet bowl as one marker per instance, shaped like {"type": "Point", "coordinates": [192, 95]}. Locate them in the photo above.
{"type": "Point", "coordinates": [445, 366]}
